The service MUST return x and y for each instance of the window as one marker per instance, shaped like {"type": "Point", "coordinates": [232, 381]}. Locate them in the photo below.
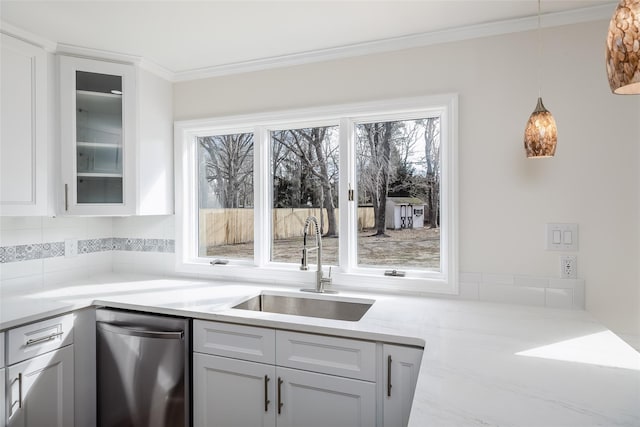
{"type": "Point", "coordinates": [304, 170]}
{"type": "Point", "coordinates": [398, 166]}
{"type": "Point", "coordinates": [379, 177]}
{"type": "Point", "coordinates": [225, 196]}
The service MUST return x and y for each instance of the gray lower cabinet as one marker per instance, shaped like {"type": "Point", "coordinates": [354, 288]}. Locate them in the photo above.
{"type": "Point", "coordinates": [233, 393]}
{"type": "Point", "coordinates": [263, 392]}
{"type": "Point", "coordinates": [39, 374]}
{"type": "Point", "coordinates": [401, 366]}
{"type": "Point", "coordinates": [40, 390]}
{"type": "Point", "coordinates": [2, 398]}
{"type": "Point", "coordinates": [237, 393]}
{"type": "Point", "coordinates": [3, 420]}
{"type": "Point", "coordinates": [317, 400]}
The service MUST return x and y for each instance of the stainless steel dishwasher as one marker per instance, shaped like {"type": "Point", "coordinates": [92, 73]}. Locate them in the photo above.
{"type": "Point", "coordinates": [142, 370]}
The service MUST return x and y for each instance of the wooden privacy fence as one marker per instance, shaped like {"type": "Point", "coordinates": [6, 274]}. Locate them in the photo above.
{"type": "Point", "coordinates": [233, 226]}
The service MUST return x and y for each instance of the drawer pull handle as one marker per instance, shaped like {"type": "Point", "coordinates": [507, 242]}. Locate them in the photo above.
{"type": "Point", "coordinates": [20, 390]}
{"type": "Point", "coordinates": [43, 339]}
{"type": "Point", "coordinates": [266, 394]}
{"type": "Point", "coordinates": [389, 376]}
{"type": "Point", "coordinates": [280, 395]}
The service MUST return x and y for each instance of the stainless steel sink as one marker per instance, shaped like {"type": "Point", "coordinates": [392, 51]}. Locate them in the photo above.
{"type": "Point", "coordinates": [336, 309]}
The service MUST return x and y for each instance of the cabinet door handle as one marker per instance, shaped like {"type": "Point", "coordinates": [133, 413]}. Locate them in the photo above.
{"type": "Point", "coordinates": [43, 339]}
{"type": "Point", "coordinates": [389, 376]}
{"type": "Point", "coordinates": [266, 394]}
{"type": "Point", "coordinates": [280, 395]}
{"type": "Point", "coordinates": [66, 197]}
{"type": "Point", "coordinates": [20, 390]}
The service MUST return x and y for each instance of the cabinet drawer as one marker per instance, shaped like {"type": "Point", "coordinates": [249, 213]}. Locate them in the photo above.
{"type": "Point", "coordinates": [329, 355]}
{"type": "Point", "coordinates": [38, 338]}
{"type": "Point", "coordinates": [237, 341]}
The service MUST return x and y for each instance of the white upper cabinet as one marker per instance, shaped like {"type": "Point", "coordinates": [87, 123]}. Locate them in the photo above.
{"type": "Point", "coordinates": [98, 130]}
{"type": "Point", "coordinates": [114, 162]}
{"type": "Point", "coordinates": [24, 140]}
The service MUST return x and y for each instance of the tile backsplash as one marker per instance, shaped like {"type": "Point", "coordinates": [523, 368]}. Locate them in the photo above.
{"type": "Point", "coordinates": [32, 255]}
{"type": "Point", "coordinates": [526, 290]}
{"type": "Point", "coordinates": [32, 249]}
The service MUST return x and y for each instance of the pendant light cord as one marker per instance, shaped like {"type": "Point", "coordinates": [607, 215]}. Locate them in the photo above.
{"type": "Point", "coordinates": [539, 53]}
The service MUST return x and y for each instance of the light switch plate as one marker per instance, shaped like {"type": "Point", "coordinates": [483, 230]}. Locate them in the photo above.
{"type": "Point", "coordinates": [562, 237]}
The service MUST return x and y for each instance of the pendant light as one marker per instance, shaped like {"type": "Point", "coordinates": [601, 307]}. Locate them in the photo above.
{"type": "Point", "coordinates": [541, 134]}
{"type": "Point", "coordinates": [623, 48]}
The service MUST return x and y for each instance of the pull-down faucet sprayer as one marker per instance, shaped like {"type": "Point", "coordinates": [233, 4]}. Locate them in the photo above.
{"type": "Point", "coordinates": [321, 281]}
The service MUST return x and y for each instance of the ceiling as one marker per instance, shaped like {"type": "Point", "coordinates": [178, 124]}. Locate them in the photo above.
{"type": "Point", "coordinates": [184, 36]}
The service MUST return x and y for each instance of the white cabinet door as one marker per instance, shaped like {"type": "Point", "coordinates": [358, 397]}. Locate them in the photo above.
{"type": "Point", "coordinates": [40, 391]}
{"type": "Point", "coordinates": [400, 375]}
{"type": "Point", "coordinates": [24, 133]}
{"type": "Point", "coordinates": [98, 136]}
{"type": "Point", "coordinates": [232, 393]}
{"type": "Point", "coordinates": [317, 400]}
{"type": "Point", "coordinates": [2, 398]}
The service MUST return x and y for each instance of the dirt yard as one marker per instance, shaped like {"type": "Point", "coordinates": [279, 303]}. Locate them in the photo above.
{"type": "Point", "coordinates": [403, 248]}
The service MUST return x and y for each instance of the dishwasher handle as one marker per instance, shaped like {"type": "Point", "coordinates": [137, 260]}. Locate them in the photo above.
{"type": "Point", "coordinates": [143, 333]}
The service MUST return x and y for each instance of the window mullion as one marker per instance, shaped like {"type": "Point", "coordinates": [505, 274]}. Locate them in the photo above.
{"type": "Point", "coordinates": [348, 208]}
{"type": "Point", "coordinates": [262, 195]}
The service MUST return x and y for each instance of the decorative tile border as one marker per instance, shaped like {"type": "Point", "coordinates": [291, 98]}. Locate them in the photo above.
{"type": "Point", "coordinates": [94, 245]}
{"type": "Point", "coordinates": [56, 249]}
{"type": "Point", "coordinates": [144, 245]}
{"type": "Point", "coordinates": [31, 251]}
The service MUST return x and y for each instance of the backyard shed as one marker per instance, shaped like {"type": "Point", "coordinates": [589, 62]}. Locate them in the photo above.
{"type": "Point", "coordinates": [404, 212]}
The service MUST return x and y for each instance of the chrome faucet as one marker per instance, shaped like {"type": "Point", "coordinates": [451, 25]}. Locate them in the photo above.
{"type": "Point", "coordinates": [321, 281]}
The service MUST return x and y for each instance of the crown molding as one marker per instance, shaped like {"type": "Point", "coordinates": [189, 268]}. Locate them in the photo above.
{"type": "Point", "coordinates": [588, 14]}
{"type": "Point", "coordinates": [157, 69]}
{"type": "Point", "coordinates": [85, 52]}
{"type": "Point", "coordinates": [26, 36]}
{"type": "Point", "coordinates": [594, 13]}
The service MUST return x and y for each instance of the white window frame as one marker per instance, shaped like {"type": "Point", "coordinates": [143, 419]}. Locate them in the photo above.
{"type": "Point", "coordinates": [348, 274]}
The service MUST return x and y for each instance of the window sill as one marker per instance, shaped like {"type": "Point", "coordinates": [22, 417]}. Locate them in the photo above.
{"type": "Point", "coordinates": [288, 275]}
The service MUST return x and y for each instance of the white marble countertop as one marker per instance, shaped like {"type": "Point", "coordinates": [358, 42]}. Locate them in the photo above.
{"type": "Point", "coordinates": [484, 364]}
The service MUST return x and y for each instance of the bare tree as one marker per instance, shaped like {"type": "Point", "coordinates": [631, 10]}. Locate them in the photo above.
{"type": "Point", "coordinates": [229, 168]}
{"type": "Point", "coordinates": [312, 147]}
{"type": "Point", "coordinates": [404, 157]}
{"type": "Point", "coordinates": [375, 140]}
{"type": "Point", "coordinates": [432, 160]}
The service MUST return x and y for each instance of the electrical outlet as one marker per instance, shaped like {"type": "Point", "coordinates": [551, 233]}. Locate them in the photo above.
{"type": "Point", "coordinates": [569, 267]}
{"type": "Point", "coordinates": [70, 248]}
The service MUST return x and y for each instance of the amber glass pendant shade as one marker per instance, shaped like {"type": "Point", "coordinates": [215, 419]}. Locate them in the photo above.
{"type": "Point", "coordinates": [541, 134]}
{"type": "Point", "coordinates": [623, 48]}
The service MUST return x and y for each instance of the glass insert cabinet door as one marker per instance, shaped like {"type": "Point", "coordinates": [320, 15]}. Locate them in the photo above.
{"type": "Point", "coordinates": [96, 136]}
